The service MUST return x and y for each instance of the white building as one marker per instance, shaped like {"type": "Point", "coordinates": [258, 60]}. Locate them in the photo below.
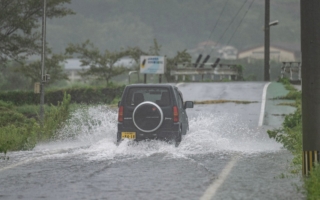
{"type": "Point", "coordinates": [73, 66]}
{"type": "Point", "coordinates": [277, 53]}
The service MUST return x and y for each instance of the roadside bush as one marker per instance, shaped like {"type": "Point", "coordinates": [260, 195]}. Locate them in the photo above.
{"type": "Point", "coordinates": [14, 138]}
{"type": "Point", "coordinates": [87, 95]}
{"type": "Point", "coordinates": [16, 131]}
{"type": "Point", "coordinates": [55, 118]}
{"type": "Point", "coordinates": [312, 184]}
{"type": "Point", "coordinates": [290, 135]}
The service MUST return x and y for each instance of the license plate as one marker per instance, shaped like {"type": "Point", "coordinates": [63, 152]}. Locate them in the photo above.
{"type": "Point", "coordinates": [129, 135]}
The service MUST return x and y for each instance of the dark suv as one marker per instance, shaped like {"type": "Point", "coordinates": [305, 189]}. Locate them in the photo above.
{"type": "Point", "coordinates": [152, 111]}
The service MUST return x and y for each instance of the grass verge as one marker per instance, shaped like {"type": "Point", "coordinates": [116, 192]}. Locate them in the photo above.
{"type": "Point", "coordinates": [19, 129]}
{"type": "Point", "coordinates": [290, 135]}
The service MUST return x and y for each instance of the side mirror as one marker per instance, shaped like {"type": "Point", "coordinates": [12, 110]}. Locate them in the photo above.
{"type": "Point", "coordinates": [188, 104]}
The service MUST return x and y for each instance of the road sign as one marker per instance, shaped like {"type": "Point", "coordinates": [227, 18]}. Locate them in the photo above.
{"type": "Point", "coordinates": [152, 64]}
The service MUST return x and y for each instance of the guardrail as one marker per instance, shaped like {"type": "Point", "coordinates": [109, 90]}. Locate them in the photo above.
{"type": "Point", "coordinates": [229, 71]}
{"type": "Point", "coordinates": [291, 70]}
{"type": "Point", "coordinates": [133, 72]}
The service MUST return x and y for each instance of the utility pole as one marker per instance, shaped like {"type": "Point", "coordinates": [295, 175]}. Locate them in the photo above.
{"type": "Point", "coordinates": [267, 41]}
{"type": "Point", "coordinates": [43, 55]}
{"type": "Point", "coordinates": [310, 48]}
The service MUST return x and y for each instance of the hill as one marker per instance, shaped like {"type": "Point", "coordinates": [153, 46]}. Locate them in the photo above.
{"type": "Point", "coordinates": [176, 24]}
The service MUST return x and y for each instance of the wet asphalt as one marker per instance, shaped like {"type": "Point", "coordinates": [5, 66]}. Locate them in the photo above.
{"type": "Point", "coordinates": [90, 165]}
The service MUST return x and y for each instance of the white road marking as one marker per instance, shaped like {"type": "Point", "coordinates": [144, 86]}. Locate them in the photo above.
{"type": "Point", "coordinates": [15, 165]}
{"type": "Point", "coordinates": [263, 103]}
{"type": "Point", "coordinates": [30, 160]}
{"type": "Point", "coordinates": [212, 189]}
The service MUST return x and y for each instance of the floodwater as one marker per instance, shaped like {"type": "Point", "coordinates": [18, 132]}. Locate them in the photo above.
{"type": "Point", "coordinates": [84, 162]}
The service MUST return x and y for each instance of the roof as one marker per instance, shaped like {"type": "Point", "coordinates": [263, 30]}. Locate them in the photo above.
{"type": "Point", "coordinates": [286, 47]}
{"type": "Point", "coordinates": [74, 64]}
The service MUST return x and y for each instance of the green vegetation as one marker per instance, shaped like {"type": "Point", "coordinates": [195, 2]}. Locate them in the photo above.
{"type": "Point", "coordinates": [87, 95]}
{"type": "Point", "coordinates": [16, 131]}
{"type": "Point", "coordinates": [19, 131]}
{"type": "Point", "coordinates": [53, 67]}
{"type": "Point", "coordinates": [20, 34]}
{"type": "Point", "coordinates": [312, 184]}
{"type": "Point", "coordinates": [55, 118]}
{"type": "Point", "coordinates": [20, 127]}
{"type": "Point", "coordinates": [290, 135]}
{"type": "Point", "coordinates": [101, 64]}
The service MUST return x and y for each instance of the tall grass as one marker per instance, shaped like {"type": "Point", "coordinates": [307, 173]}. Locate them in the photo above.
{"type": "Point", "coordinates": [20, 132]}
{"type": "Point", "coordinates": [290, 135]}
{"type": "Point", "coordinates": [17, 132]}
{"type": "Point", "coordinates": [55, 118]}
{"type": "Point", "coordinates": [312, 184]}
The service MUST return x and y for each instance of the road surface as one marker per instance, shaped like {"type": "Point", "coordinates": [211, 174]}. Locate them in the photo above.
{"type": "Point", "coordinates": [226, 154]}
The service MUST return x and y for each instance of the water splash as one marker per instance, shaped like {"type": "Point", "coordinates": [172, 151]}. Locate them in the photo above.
{"type": "Point", "coordinates": [91, 132]}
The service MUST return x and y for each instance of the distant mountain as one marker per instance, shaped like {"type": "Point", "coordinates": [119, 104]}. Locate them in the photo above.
{"type": "Point", "coordinates": [176, 24]}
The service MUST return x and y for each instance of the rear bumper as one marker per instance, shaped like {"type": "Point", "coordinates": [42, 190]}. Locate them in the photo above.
{"type": "Point", "coordinates": [160, 134]}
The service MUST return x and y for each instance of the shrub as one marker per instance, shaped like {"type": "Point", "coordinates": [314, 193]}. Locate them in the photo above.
{"type": "Point", "coordinates": [312, 184]}
{"type": "Point", "coordinates": [55, 118]}
{"type": "Point", "coordinates": [87, 95]}
{"type": "Point", "coordinates": [17, 132]}
{"type": "Point", "coordinates": [290, 135]}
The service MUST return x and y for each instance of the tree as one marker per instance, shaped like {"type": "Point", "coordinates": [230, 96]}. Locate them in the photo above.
{"type": "Point", "coordinates": [53, 67]}
{"type": "Point", "coordinates": [11, 80]}
{"type": "Point", "coordinates": [101, 64]}
{"type": "Point", "coordinates": [155, 49]}
{"type": "Point", "coordinates": [19, 26]}
{"type": "Point", "coordinates": [135, 53]}
{"type": "Point", "coordinates": [181, 57]}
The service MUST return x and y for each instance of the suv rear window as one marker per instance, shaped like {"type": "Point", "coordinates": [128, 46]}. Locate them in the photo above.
{"type": "Point", "coordinates": [160, 96]}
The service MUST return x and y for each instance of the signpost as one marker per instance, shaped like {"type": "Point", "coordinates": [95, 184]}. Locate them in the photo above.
{"type": "Point", "coordinates": [152, 65]}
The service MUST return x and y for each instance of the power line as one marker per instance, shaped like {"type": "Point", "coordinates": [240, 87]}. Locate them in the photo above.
{"type": "Point", "coordinates": [240, 22]}
{"type": "Point", "coordinates": [215, 25]}
{"type": "Point", "coordinates": [231, 22]}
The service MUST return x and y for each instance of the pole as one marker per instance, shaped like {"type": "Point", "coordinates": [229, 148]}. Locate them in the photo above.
{"type": "Point", "coordinates": [267, 41]}
{"type": "Point", "coordinates": [42, 82]}
{"type": "Point", "coordinates": [310, 48]}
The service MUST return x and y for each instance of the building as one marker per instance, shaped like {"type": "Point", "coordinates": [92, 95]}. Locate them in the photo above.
{"type": "Point", "coordinates": [277, 53]}
{"type": "Point", "coordinates": [228, 53]}
{"type": "Point", "coordinates": [73, 66]}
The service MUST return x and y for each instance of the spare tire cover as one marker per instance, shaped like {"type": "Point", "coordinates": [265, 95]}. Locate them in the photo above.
{"type": "Point", "coordinates": [147, 116]}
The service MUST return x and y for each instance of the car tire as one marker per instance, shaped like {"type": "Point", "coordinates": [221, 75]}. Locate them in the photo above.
{"type": "Point", "coordinates": [118, 138]}
{"type": "Point", "coordinates": [185, 132]}
{"type": "Point", "coordinates": [178, 138]}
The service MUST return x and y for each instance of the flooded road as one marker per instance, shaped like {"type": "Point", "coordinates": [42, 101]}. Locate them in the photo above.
{"type": "Point", "coordinates": [225, 155]}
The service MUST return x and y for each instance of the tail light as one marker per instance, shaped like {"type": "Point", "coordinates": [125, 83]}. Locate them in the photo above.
{"type": "Point", "coordinates": [120, 114]}
{"type": "Point", "coordinates": [175, 114]}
